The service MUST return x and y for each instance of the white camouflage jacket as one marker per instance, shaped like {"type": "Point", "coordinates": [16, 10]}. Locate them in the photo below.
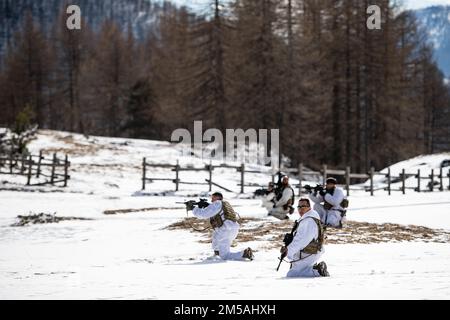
{"type": "Point", "coordinates": [307, 231]}
{"type": "Point", "coordinates": [335, 199]}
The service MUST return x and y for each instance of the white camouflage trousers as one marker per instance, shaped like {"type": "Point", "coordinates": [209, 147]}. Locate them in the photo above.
{"type": "Point", "coordinates": [304, 267]}
{"type": "Point", "coordinates": [222, 239]}
{"type": "Point", "coordinates": [279, 213]}
{"type": "Point", "coordinates": [331, 217]}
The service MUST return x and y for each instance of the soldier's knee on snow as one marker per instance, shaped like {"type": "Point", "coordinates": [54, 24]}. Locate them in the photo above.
{"type": "Point", "coordinates": [222, 255]}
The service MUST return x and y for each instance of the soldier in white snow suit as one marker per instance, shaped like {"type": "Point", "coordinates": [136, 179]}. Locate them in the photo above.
{"type": "Point", "coordinates": [306, 247]}
{"type": "Point", "coordinates": [269, 199]}
{"type": "Point", "coordinates": [284, 201]}
{"type": "Point", "coordinates": [331, 211]}
{"type": "Point", "coordinates": [223, 220]}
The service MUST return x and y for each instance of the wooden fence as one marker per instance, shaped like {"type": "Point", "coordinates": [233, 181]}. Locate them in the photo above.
{"type": "Point", "coordinates": [301, 172]}
{"type": "Point", "coordinates": [54, 169]}
{"type": "Point", "coordinates": [434, 179]}
{"type": "Point", "coordinates": [177, 169]}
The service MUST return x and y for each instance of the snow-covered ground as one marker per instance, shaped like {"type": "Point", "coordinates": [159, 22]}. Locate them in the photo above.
{"type": "Point", "coordinates": [134, 256]}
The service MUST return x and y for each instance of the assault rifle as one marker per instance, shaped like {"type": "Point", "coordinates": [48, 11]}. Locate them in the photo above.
{"type": "Point", "coordinates": [316, 189]}
{"type": "Point", "coordinates": [261, 192]}
{"type": "Point", "coordinates": [203, 203]}
{"type": "Point", "coordinates": [288, 238]}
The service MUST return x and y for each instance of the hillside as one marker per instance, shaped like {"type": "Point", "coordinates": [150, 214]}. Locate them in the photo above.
{"type": "Point", "coordinates": [435, 21]}
{"type": "Point", "coordinates": [140, 15]}
{"type": "Point", "coordinates": [394, 247]}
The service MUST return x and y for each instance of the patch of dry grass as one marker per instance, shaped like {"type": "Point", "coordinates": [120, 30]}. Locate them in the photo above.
{"type": "Point", "coordinates": [272, 232]}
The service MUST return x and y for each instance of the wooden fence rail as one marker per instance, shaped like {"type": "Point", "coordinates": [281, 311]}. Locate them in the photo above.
{"type": "Point", "coordinates": [301, 172]}
{"type": "Point", "coordinates": [37, 166]}
{"type": "Point", "coordinates": [178, 169]}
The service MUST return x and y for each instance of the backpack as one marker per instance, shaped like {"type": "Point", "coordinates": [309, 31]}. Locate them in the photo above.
{"type": "Point", "coordinates": [316, 244]}
{"type": "Point", "coordinates": [228, 214]}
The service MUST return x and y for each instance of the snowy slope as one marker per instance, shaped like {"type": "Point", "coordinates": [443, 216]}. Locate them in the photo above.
{"type": "Point", "coordinates": [425, 163]}
{"type": "Point", "coordinates": [135, 256]}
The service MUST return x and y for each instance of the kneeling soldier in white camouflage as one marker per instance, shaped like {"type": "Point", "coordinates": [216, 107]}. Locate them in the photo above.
{"type": "Point", "coordinates": [306, 247]}
{"type": "Point", "coordinates": [333, 211]}
{"type": "Point", "coordinates": [284, 200]}
{"type": "Point", "coordinates": [223, 220]}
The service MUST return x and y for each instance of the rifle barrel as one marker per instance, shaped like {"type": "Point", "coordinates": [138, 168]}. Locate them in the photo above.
{"type": "Point", "coordinates": [281, 260]}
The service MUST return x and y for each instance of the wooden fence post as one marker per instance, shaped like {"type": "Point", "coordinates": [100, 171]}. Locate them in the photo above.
{"type": "Point", "coordinates": [66, 170]}
{"type": "Point", "coordinates": [210, 176]}
{"type": "Point", "coordinates": [324, 174]}
{"type": "Point", "coordinates": [242, 177]}
{"type": "Point", "coordinates": [441, 180]}
{"type": "Point", "coordinates": [30, 167]}
{"type": "Point", "coordinates": [22, 168]}
{"type": "Point", "coordinates": [403, 181]}
{"type": "Point", "coordinates": [418, 180]}
{"type": "Point", "coordinates": [432, 180]}
{"type": "Point", "coordinates": [372, 173]}
{"type": "Point", "coordinates": [177, 175]}
{"type": "Point", "coordinates": [347, 180]}
{"type": "Point", "coordinates": [52, 179]}
{"type": "Point", "coordinates": [273, 173]}
{"type": "Point", "coordinates": [300, 178]}
{"type": "Point", "coordinates": [448, 175]}
{"type": "Point", "coordinates": [38, 171]}
{"type": "Point", "coordinates": [11, 162]}
{"type": "Point", "coordinates": [389, 181]}
{"type": "Point", "coordinates": [144, 173]}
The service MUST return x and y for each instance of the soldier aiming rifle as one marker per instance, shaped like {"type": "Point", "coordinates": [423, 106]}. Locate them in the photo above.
{"type": "Point", "coordinates": [334, 208]}
{"type": "Point", "coordinates": [283, 201]}
{"type": "Point", "coordinates": [224, 222]}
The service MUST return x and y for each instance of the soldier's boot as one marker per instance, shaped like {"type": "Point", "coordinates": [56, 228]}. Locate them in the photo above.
{"type": "Point", "coordinates": [322, 269]}
{"type": "Point", "coordinates": [248, 254]}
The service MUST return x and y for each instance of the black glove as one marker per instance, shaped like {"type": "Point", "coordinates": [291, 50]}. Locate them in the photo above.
{"type": "Point", "coordinates": [190, 205]}
{"type": "Point", "coordinates": [288, 238]}
{"type": "Point", "coordinates": [318, 188]}
{"type": "Point", "coordinates": [308, 188]}
{"type": "Point", "coordinates": [323, 192]}
{"type": "Point", "coordinates": [203, 203]}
